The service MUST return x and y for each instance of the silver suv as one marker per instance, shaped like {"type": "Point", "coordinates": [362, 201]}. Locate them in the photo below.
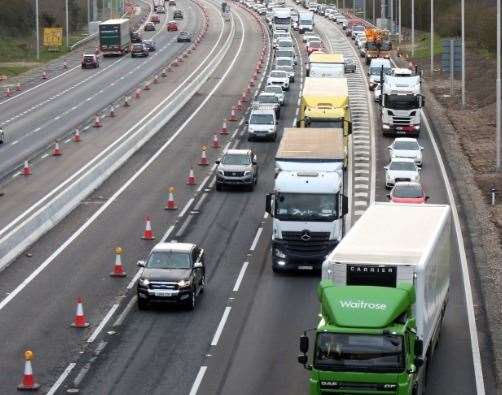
{"type": "Point", "coordinates": [237, 167]}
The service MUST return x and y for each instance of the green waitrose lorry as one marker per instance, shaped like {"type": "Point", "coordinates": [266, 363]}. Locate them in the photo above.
{"type": "Point", "coordinates": [383, 296]}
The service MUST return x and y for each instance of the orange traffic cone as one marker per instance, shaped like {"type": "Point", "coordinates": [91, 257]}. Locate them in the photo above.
{"type": "Point", "coordinates": [118, 269]}
{"type": "Point", "coordinates": [224, 129]}
{"type": "Point", "coordinates": [26, 169]}
{"type": "Point", "coordinates": [191, 178]}
{"type": "Point", "coordinates": [147, 86]}
{"type": "Point", "coordinates": [171, 204]}
{"type": "Point", "coordinates": [126, 101]}
{"type": "Point", "coordinates": [148, 233]}
{"type": "Point", "coordinates": [76, 136]}
{"type": "Point", "coordinates": [238, 107]}
{"type": "Point", "coordinates": [44, 75]}
{"type": "Point", "coordinates": [112, 113]}
{"type": "Point", "coordinates": [155, 79]}
{"type": "Point", "coordinates": [65, 65]}
{"type": "Point", "coordinates": [216, 143]}
{"type": "Point", "coordinates": [56, 150]}
{"type": "Point", "coordinates": [203, 157]}
{"type": "Point", "coordinates": [138, 93]}
{"type": "Point", "coordinates": [251, 83]}
{"type": "Point", "coordinates": [233, 117]}
{"type": "Point", "coordinates": [97, 122]}
{"type": "Point", "coordinates": [243, 98]}
{"type": "Point", "coordinates": [28, 383]}
{"type": "Point", "coordinates": [80, 321]}
{"type": "Point", "coordinates": [18, 87]}
{"type": "Point", "coordinates": [8, 93]}
{"type": "Point", "coordinates": [164, 72]}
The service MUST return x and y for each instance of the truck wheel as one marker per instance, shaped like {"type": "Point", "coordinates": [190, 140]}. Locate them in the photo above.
{"type": "Point", "coordinates": [368, 61]}
{"type": "Point", "coordinates": [219, 187]}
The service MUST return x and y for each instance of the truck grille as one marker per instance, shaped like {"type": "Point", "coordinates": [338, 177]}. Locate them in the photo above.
{"type": "Point", "coordinates": [402, 179]}
{"type": "Point", "coordinates": [233, 173]}
{"type": "Point", "coordinates": [305, 241]}
{"type": "Point", "coordinates": [401, 121]}
{"type": "Point", "coordinates": [163, 285]}
{"type": "Point", "coordinates": [348, 388]}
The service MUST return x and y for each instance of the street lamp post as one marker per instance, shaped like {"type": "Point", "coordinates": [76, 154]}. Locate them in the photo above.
{"type": "Point", "coordinates": [412, 27]}
{"type": "Point", "coordinates": [499, 92]}
{"type": "Point", "coordinates": [67, 25]}
{"type": "Point", "coordinates": [37, 28]}
{"type": "Point", "coordinates": [399, 21]}
{"type": "Point", "coordinates": [463, 51]}
{"type": "Point", "coordinates": [432, 38]}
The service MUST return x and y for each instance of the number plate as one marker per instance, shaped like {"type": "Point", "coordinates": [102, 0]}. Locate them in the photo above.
{"type": "Point", "coordinates": [164, 293]}
{"type": "Point", "coordinates": [305, 268]}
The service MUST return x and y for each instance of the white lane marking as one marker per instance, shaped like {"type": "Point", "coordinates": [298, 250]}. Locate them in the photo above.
{"type": "Point", "coordinates": [61, 379]}
{"type": "Point", "coordinates": [119, 192]}
{"type": "Point", "coordinates": [240, 276]}
{"type": "Point", "coordinates": [203, 183]}
{"type": "Point", "coordinates": [134, 279]}
{"type": "Point", "coordinates": [256, 238]}
{"type": "Point", "coordinates": [16, 174]}
{"type": "Point", "coordinates": [198, 380]}
{"type": "Point", "coordinates": [103, 323]}
{"type": "Point", "coordinates": [120, 319]}
{"type": "Point", "coordinates": [471, 317]}
{"type": "Point", "coordinates": [44, 156]}
{"type": "Point", "coordinates": [221, 325]}
{"type": "Point", "coordinates": [14, 142]}
{"type": "Point", "coordinates": [187, 206]}
{"type": "Point", "coordinates": [167, 234]}
{"type": "Point", "coordinates": [265, 216]}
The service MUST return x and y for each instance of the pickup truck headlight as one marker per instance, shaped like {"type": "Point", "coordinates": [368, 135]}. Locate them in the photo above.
{"type": "Point", "coordinates": [248, 172]}
{"type": "Point", "coordinates": [184, 283]}
{"type": "Point", "coordinates": [221, 173]}
{"type": "Point", "coordinates": [144, 282]}
{"type": "Point", "coordinates": [279, 253]}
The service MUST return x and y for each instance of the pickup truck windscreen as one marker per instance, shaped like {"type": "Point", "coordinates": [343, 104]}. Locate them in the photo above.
{"type": "Point", "coordinates": [359, 352]}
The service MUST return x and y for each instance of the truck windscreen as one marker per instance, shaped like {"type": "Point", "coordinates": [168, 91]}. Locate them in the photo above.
{"type": "Point", "coordinates": [401, 102]}
{"type": "Point", "coordinates": [359, 352]}
{"type": "Point", "coordinates": [306, 207]}
{"type": "Point", "coordinates": [282, 21]}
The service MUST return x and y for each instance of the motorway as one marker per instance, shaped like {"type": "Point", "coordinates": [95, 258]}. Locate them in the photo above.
{"type": "Point", "coordinates": [243, 336]}
{"type": "Point", "coordinates": [34, 119]}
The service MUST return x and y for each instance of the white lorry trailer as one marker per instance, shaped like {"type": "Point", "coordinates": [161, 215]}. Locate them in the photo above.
{"type": "Point", "coordinates": [305, 22]}
{"type": "Point", "coordinates": [394, 246]}
{"type": "Point", "coordinates": [402, 103]}
{"type": "Point", "coordinates": [281, 19]}
{"type": "Point", "coordinates": [308, 204]}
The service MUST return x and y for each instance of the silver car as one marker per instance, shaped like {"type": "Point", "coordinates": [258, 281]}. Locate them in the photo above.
{"type": "Point", "coordinates": [237, 167]}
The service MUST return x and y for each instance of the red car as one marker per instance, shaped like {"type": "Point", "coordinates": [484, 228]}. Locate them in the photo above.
{"type": "Point", "coordinates": [155, 18]}
{"type": "Point", "coordinates": [407, 192]}
{"type": "Point", "coordinates": [314, 46]}
{"type": "Point", "coordinates": [172, 26]}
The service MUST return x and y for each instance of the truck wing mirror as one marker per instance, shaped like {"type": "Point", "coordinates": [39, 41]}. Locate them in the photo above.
{"type": "Point", "coordinates": [419, 347]}
{"type": "Point", "coordinates": [345, 206]}
{"type": "Point", "coordinates": [268, 204]}
{"type": "Point", "coordinates": [349, 127]}
{"type": "Point", "coordinates": [141, 263]}
{"type": "Point", "coordinates": [419, 361]}
{"type": "Point", "coordinates": [304, 344]}
{"type": "Point", "coordinates": [302, 359]}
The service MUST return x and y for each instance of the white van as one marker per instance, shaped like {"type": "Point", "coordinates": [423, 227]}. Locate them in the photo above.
{"type": "Point", "coordinates": [375, 69]}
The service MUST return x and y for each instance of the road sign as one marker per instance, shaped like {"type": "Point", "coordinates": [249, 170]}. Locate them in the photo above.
{"type": "Point", "coordinates": [53, 37]}
{"type": "Point", "coordinates": [451, 55]}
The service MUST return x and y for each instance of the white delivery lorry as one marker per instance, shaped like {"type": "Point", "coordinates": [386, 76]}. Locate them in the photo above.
{"type": "Point", "coordinates": [281, 19]}
{"type": "Point", "coordinates": [307, 204]}
{"type": "Point", "coordinates": [399, 246]}
{"type": "Point", "coordinates": [402, 103]}
{"type": "Point", "coordinates": [305, 22]}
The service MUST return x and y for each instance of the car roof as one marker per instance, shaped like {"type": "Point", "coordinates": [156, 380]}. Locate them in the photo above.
{"type": "Point", "coordinates": [406, 139]}
{"type": "Point", "coordinates": [173, 246]}
{"type": "Point", "coordinates": [408, 184]}
{"type": "Point", "coordinates": [237, 152]}
{"type": "Point", "coordinates": [263, 112]}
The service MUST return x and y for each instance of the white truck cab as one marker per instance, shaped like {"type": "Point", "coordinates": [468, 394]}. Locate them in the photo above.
{"type": "Point", "coordinates": [402, 103]}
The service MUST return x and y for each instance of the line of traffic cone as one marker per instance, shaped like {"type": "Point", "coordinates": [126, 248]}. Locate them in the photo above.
{"type": "Point", "coordinates": [126, 101]}
{"type": "Point", "coordinates": [56, 151]}
{"type": "Point", "coordinates": [118, 268]}
{"type": "Point", "coordinates": [137, 94]}
{"type": "Point", "coordinates": [164, 72]}
{"type": "Point", "coordinates": [147, 86]}
{"type": "Point", "coordinates": [8, 93]}
{"type": "Point", "coordinates": [112, 112]}
{"type": "Point", "coordinates": [233, 116]}
{"type": "Point", "coordinates": [26, 169]}
{"type": "Point", "coordinates": [76, 136]}
{"type": "Point", "coordinates": [203, 157]}
{"type": "Point", "coordinates": [97, 122]}
{"type": "Point", "coordinates": [44, 75]}
{"type": "Point", "coordinates": [224, 129]}
{"type": "Point", "coordinates": [28, 383]}
{"type": "Point", "coordinates": [18, 87]}
{"type": "Point", "coordinates": [216, 142]}
{"type": "Point", "coordinates": [155, 79]}
{"type": "Point", "coordinates": [80, 321]}
{"type": "Point", "coordinates": [148, 233]}
{"type": "Point", "coordinates": [171, 204]}
{"type": "Point", "coordinates": [191, 178]}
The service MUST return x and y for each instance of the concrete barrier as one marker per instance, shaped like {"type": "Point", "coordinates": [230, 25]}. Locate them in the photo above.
{"type": "Point", "coordinates": [18, 237]}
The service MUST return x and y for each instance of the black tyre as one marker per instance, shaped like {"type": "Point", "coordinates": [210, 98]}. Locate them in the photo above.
{"type": "Point", "coordinates": [142, 304]}
{"type": "Point", "coordinates": [219, 187]}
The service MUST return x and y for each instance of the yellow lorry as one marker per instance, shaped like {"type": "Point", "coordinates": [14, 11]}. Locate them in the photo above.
{"type": "Point", "coordinates": [325, 104]}
{"type": "Point", "coordinates": [326, 65]}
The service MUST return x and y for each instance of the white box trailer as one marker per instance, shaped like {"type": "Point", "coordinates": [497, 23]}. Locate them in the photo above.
{"type": "Point", "coordinates": [400, 243]}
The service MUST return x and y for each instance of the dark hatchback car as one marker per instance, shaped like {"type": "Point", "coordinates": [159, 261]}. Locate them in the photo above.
{"type": "Point", "coordinates": [350, 65]}
{"type": "Point", "coordinates": [150, 45]}
{"type": "Point", "coordinates": [178, 14]}
{"type": "Point", "coordinates": [139, 49]}
{"type": "Point", "coordinates": [135, 37]}
{"type": "Point", "coordinates": [184, 37]}
{"type": "Point", "coordinates": [173, 273]}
